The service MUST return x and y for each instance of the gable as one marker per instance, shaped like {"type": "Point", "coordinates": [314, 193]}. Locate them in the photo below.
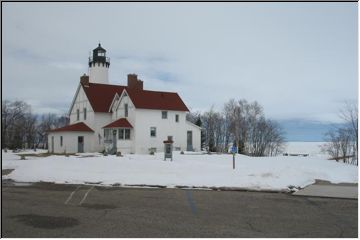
{"type": "Point", "coordinates": [80, 96]}
{"type": "Point", "coordinates": [74, 99]}
{"type": "Point", "coordinates": [114, 102]}
{"type": "Point", "coordinates": [124, 98]}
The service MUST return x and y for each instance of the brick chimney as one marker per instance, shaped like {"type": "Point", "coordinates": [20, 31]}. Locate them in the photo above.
{"type": "Point", "coordinates": [84, 80]}
{"type": "Point", "coordinates": [134, 82]}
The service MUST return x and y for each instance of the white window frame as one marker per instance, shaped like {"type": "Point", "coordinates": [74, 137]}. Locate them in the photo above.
{"type": "Point", "coordinates": [123, 132]}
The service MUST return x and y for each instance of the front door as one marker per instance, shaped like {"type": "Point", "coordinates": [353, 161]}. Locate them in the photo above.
{"type": "Point", "coordinates": [189, 141]}
{"type": "Point", "coordinates": [80, 144]}
{"type": "Point", "coordinates": [52, 144]}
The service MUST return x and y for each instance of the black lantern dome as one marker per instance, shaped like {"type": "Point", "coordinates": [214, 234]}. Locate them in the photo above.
{"type": "Point", "coordinates": [99, 57]}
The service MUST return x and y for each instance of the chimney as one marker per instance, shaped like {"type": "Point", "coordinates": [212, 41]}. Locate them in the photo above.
{"type": "Point", "coordinates": [140, 84]}
{"type": "Point", "coordinates": [84, 80]}
{"type": "Point", "coordinates": [134, 82]}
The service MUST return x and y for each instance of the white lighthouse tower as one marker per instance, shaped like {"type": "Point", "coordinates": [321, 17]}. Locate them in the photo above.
{"type": "Point", "coordinates": [99, 66]}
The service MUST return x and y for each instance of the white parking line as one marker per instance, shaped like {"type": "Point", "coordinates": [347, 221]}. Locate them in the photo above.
{"type": "Point", "coordinates": [71, 194]}
{"type": "Point", "coordinates": [86, 195]}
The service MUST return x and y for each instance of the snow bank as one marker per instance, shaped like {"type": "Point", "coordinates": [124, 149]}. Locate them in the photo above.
{"type": "Point", "coordinates": [260, 173]}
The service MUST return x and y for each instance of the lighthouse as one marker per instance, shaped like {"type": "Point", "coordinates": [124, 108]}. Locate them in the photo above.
{"type": "Point", "coordinates": [99, 66]}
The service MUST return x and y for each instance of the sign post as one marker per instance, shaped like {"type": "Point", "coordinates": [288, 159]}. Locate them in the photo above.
{"type": "Point", "coordinates": [233, 160]}
{"type": "Point", "coordinates": [233, 151]}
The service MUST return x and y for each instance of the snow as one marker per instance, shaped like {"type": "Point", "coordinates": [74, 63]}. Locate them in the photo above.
{"type": "Point", "coordinates": [190, 170]}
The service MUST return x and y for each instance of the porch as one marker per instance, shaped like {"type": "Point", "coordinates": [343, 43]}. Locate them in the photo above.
{"type": "Point", "coordinates": [118, 137]}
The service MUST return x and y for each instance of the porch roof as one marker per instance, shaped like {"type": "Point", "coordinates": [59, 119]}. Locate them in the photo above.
{"type": "Point", "coordinates": [79, 127]}
{"type": "Point", "coordinates": [120, 123]}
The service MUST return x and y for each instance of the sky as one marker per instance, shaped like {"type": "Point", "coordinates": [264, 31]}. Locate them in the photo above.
{"type": "Point", "coordinates": [298, 60]}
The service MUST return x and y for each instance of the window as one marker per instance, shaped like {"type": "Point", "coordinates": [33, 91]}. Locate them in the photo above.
{"type": "Point", "coordinates": [177, 118]}
{"type": "Point", "coordinates": [153, 132]}
{"type": "Point", "coordinates": [164, 114]}
{"type": "Point", "coordinates": [126, 109]}
{"type": "Point", "coordinates": [101, 54]}
{"type": "Point", "coordinates": [124, 133]}
{"type": "Point", "coordinates": [127, 133]}
{"type": "Point", "coordinates": [106, 133]}
{"type": "Point", "coordinates": [121, 133]}
{"type": "Point", "coordinates": [84, 113]}
{"type": "Point", "coordinates": [77, 114]}
{"type": "Point", "coordinates": [61, 141]}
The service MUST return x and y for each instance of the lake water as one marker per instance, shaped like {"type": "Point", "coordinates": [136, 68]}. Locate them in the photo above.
{"type": "Point", "coordinates": [311, 148]}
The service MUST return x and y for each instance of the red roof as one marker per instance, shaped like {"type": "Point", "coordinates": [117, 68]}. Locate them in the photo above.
{"type": "Point", "coordinates": [79, 127]}
{"type": "Point", "coordinates": [122, 123]}
{"type": "Point", "coordinates": [156, 100]}
{"type": "Point", "coordinates": [101, 96]}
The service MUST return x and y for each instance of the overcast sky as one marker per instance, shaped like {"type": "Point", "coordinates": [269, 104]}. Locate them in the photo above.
{"type": "Point", "coordinates": [298, 60]}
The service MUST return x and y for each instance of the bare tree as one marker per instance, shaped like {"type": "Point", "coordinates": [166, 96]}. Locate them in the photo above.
{"type": "Point", "coordinates": [209, 126]}
{"type": "Point", "coordinates": [342, 142]}
{"type": "Point", "coordinates": [12, 123]}
{"type": "Point", "coordinates": [29, 126]}
{"type": "Point", "coordinates": [47, 122]}
{"type": "Point", "coordinates": [193, 116]}
{"type": "Point", "coordinates": [350, 115]}
{"type": "Point", "coordinates": [235, 120]}
{"type": "Point", "coordinates": [251, 132]}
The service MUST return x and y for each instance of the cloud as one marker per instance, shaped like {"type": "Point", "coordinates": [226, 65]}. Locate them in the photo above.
{"type": "Point", "coordinates": [297, 60]}
{"type": "Point", "coordinates": [68, 65]}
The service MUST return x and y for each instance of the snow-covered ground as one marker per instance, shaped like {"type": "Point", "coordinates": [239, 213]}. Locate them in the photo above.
{"type": "Point", "coordinates": [202, 170]}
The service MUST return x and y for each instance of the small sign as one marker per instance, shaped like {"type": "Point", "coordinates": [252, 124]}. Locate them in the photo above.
{"type": "Point", "coordinates": [168, 148]}
{"type": "Point", "coordinates": [234, 149]}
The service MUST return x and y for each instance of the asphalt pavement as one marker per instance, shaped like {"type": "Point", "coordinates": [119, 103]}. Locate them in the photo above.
{"type": "Point", "coordinates": [50, 210]}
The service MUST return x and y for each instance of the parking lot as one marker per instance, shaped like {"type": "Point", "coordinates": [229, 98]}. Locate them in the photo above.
{"type": "Point", "coordinates": [50, 210]}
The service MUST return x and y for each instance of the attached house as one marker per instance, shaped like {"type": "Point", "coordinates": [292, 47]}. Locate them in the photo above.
{"type": "Point", "coordinates": [126, 119]}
